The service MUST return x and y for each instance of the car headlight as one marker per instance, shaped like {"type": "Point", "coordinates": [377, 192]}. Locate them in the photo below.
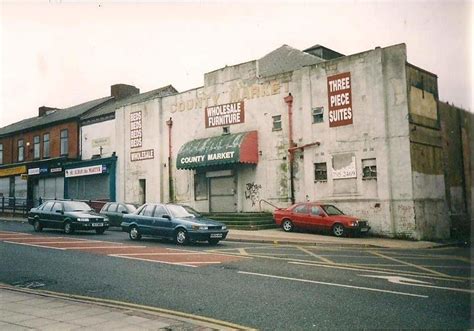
{"type": "Point", "coordinates": [83, 219]}
{"type": "Point", "coordinates": [354, 223]}
{"type": "Point", "coordinates": [224, 227]}
{"type": "Point", "coordinates": [199, 227]}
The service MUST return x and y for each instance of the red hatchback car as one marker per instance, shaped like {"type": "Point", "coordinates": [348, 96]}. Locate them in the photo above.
{"type": "Point", "coordinates": [317, 216]}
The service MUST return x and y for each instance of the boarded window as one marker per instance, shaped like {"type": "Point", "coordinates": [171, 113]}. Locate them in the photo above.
{"type": "Point", "coordinates": [46, 145]}
{"type": "Point", "coordinates": [64, 142]}
{"type": "Point", "coordinates": [320, 172]}
{"type": "Point", "coordinates": [21, 150]}
{"type": "Point", "coordinates": [369, 169]}
{"type": "Point", "coordinates": [36, 147]}
{"type": "Point", "coordinates": [318, 114]}
{"type": "Point", "coordinates": [276, 123]}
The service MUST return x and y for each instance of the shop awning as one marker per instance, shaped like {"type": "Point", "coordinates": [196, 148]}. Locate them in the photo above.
{"type": "Point", "coordinates": [225, 149]}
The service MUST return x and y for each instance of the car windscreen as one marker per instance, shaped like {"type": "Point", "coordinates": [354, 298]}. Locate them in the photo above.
{"type": "Point", "coordinates": [180, 211]}
{"type": "Point", "coordinates": [331, 210]}
{"type": "Point", "coordinates": [76, 206]}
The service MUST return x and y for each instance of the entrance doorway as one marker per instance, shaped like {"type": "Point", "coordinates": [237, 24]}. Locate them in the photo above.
{"type": "Point", "coordinates": [142, 191]}
{"type": "Point", "coordinates": [222, 194]}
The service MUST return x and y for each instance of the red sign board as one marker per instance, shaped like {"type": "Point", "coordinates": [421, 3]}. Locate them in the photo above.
{"type": "Point", "coordinates": [223, 115]}
{"type": "Point", "coordinates": [340, 100]}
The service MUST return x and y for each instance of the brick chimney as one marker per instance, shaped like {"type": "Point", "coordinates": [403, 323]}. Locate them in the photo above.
{"type": "Point", "coordinates": [120, 91]}
{"type": "Point", "coordinates": [43, 110]}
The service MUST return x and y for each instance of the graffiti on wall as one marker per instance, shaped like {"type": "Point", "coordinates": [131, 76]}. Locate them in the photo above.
{"type": "Point", "coordinates": [251, 192]}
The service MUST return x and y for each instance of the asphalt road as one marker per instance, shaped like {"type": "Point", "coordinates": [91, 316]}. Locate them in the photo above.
{"type": "Point", "coordinates": [269, 287]}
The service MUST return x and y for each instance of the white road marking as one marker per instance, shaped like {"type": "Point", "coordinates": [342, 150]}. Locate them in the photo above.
{"type": "Point", "coordinates": [149, 260]}
{"type": "Point", "coordinates": [409, 264]}
{"type": "Point", "coordinates": [242, 251]}
{"type": "Point", "coordinates": [355, 268]}
{"type": "Point", "coordinates": [26, 244]}
{"type": "Point", "coordinates": [315, 255]}
{"type": "Point", "coordinates": [139, 254]}
{"type": "Point", "coordinates": [333, 284]}
{"type": "Point", "coordinates": [97, 247]}
{"type": "Point", "coordinates": [400, 280]}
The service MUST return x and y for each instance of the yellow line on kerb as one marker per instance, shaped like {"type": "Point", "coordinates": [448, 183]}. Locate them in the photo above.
{"type": "Point", "coordinates": [315, 255]}
{"type": "Point", "coordinates": [114, 304]}
{"type": "Point", "coordinates": [410, 264]}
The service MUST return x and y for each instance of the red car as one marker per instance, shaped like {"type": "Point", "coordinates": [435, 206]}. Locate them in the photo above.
{"type": "Point", "coordinates": [318, 216]}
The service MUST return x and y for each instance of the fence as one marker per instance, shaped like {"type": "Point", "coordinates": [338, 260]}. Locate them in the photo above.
{"type": "Point", "coordinates": [21, 206]}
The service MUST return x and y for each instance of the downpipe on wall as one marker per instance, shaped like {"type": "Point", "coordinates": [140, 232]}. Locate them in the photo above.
{"type": "Point", "coordinates": [291, 151]}
{"type": "Point", "coordinates": [169, 123]}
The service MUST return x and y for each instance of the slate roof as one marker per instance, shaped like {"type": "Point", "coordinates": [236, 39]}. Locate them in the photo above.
{"type": "Point", "coordinates": [110, 108]}
{"type": "Point", "coordinates": [58, 115]}
{"type": "Point", "coordinates": [284, 59]}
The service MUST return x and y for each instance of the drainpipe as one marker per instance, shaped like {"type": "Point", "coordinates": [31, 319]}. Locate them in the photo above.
{"type": "Point", "coordinates": [170, 173]}
{"type": "Point", "coordinates": [291, 152]}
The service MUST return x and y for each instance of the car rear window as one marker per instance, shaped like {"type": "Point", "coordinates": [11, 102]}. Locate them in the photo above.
{"type": "Point", "coordinates": [301, 209]}
{"type": "Point", "coordinates": [331, 210]}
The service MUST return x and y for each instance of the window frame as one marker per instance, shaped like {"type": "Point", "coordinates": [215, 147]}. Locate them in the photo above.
{"type": "Point", "coordinates": [320, 172]}
{"type": "Point", "coordinates": [371, 165]}
{"type": "Point", "coordinates": [63, 139]}
{"type": "Point", "coordinates": [46, 145]}
{"type": "Point", "coordinates": [277, 123]}
{"type": "Point", "coordinates": [1, 153]}
{"type": "Point", "coordinates": [317, 111]}
{"type": "Point", "coordinates": [36, 147]}
{"type": "Point", "coordinates": [20, 148]}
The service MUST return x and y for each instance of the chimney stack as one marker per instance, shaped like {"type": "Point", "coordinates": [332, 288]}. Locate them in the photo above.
{"type": "Point", "coordinates": [120, 91]}
{"type": "Point", "coordinates": [44, 110]}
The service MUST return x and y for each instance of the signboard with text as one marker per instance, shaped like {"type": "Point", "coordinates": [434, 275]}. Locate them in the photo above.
{"type": "Point", "coordinates": [223, 115]}
{"type": "Point", "coordinates": [340, 100]}
{"type": "Point", "coordinates": [85, 171]}
{"type": "Point", "coordinates": [142, 155]}
{"type": "Point", "coordinates": [136, 129]}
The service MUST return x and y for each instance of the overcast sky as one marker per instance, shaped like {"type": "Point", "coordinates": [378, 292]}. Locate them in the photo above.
{"type": "Point", "coordinates": [61, 53]}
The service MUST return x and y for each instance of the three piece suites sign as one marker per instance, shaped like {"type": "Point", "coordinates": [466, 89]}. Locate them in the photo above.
{"type": "Point", "coordinates": [340, 99]}
{"type": "Point", "coordinates": [136, 138]}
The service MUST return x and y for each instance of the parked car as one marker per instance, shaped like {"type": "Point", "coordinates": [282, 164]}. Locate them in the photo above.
{"type": "Point", "coordinates": [114, 211]}
{"type": "Point", "coordinates": [316, 216]}
{"type": "Point", "coordinates": [67, 215]}
{"type": "Point", "coordinates": [176, 222]}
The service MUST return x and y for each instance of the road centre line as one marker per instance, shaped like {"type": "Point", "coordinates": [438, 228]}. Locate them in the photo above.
{"type": "Point", "coordinates": [409, 264]}
{"type": "Point", "coordinates": [333, 284]}
{"type": "Point", "coordinates": [392, 272]}
{"type": "Point", "coordinates": [314, 255]}
{"type": "Point", "coordinates": [33, 245]}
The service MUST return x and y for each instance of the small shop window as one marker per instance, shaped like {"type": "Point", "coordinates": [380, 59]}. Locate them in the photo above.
{"type": "Point", "coordinates": [318, 114]}
{"type": "Point", "coordinates": [200, 186]}
{"type": "Point", "coordinates": [36, 147]}
{"type": "Point", "coordinates": [21, 150]}
{"type": "Point", "coordinates": [276, 123]}
{"type": "Point", "coordinates": [369, 169]}
{"type": "Point", "coordinates": [320, 172]}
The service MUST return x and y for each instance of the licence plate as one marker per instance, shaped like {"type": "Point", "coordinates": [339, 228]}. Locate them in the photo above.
{"type": "Point", "coordinates": [216, 235]}
{"type": "Point", "coordinates": [97, 224]}
{"type": "Point", "coordinates": [364, 229]}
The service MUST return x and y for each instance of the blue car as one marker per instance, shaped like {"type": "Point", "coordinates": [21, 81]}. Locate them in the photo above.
{"type": "Point", "coordinates": [176, 222]}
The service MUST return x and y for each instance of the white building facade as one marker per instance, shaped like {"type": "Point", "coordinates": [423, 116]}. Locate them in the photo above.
{"type": "Point", "coordinates": [295, 126]}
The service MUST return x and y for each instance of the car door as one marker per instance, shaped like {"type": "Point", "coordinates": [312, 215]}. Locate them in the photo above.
{"type": "Point", "coordinates": [45, 215]}
{"type": "Point", "coordinates": [121, 210]}
{"type": "Point", "coordinates": [111, 213]}
{"type": "Point", "coordinates": [316, 218]}
{"type": "Point", "coordinates": [300, 215]}
{"type": "Point", "coordinates": [162, 226]}
{"type": "Point", "coordinates": [145, 220]}
{"type": "Point", "coordinates": [57, 215]}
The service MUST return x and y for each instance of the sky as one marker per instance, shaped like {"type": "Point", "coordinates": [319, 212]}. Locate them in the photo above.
{"type": "Point", "coordinates": [61, 53]}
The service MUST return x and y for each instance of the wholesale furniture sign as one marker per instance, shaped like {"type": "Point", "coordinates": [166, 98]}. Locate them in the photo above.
{"type": "Point", "coordinates": [227, 114]}
{"type": "Point", "coordinates": [340, 100]}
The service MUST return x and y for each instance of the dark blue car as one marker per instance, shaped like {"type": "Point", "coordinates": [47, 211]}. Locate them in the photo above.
{"type": "Point", "coordinates": [179, 223]}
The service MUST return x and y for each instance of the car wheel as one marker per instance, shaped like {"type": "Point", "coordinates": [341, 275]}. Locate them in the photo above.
{"type": "Point", "coordinates": [68, 229]}
{"type": "Point", "coordinates": [338, 230]}
{"type": "Point", "coordinates": [287, 225]}
{"type": "Point", "coordinates": [181, 237]}
{"type": "Point", "coordinates": [37, 226]}
{"type": "Point", "coordinates": [213, 242]}
{"type": "Point", "coordinates": [100, 231]}
{"type": "Point", "coordinates": [134, 233]}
